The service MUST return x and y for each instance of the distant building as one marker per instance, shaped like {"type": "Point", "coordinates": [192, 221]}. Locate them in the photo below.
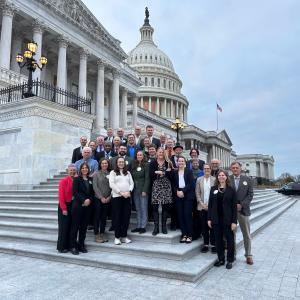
{"type": "Point", "coordinates": [257, 165]}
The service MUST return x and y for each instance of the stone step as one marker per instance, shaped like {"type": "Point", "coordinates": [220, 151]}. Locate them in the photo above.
{"type": "Point", "coordinates": [36, 226]}
{"type": "Point", "coordinates": [176, 251]}
{"type": "Point", "coordinates": [34, 197]}
{"type": "Point", "coordinates": [26, 203]}
{"type": "Point", "coordinates": [185, 270]}
{"type": "Point", "coordinates": [45, 186]}
{"type": "Point", "coordinates": [41, 192]}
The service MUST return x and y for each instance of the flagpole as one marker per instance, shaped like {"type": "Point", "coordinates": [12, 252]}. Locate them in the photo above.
{"type": "Point", "coordinates": [217, 118]}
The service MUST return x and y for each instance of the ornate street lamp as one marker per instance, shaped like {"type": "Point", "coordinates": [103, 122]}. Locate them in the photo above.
{"type": "Point", "coordinates": [28, 60]}
{"type": "Point", "coordinates": [177, 125]}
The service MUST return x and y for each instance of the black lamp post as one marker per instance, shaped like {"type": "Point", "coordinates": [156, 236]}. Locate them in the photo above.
{"type": "Point", "coordinates": [177, 125]}
{"type": "Point", "coordinates": [30, 62]}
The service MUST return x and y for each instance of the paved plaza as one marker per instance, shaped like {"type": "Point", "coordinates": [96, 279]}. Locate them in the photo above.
{"type": "Point", "coordinates": [273, 276]}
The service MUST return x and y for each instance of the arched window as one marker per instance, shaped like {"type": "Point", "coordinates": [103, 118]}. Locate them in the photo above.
{"type": "Point", "coordinates": [136, 58]}
{"type": "Point", "coordinates": [146, 81]}
{"type": "Point", "coordinates": [165, 83]}
{"type": "Point", "coordinates": [169, 85]}
{"type": "Point", "coordinates": [158, 82]}
{"type": "Point", "coordinates": [152, 81]}
{"type": "Point", "coordinates": [145, 57]}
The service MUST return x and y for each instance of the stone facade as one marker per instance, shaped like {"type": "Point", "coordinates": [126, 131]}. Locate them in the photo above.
{"type": "Point", "coordinates": [39, 138]}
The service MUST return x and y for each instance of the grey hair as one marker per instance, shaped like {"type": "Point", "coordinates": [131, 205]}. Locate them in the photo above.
{"type": "Point", "coordinates": [87, 149]}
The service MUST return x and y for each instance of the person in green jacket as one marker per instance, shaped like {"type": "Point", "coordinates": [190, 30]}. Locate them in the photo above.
{"type": "Point", "coordinates": [140, 175]}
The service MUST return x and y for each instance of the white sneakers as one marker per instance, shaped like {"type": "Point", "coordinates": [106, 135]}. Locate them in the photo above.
{"type": "Point", "coordinates": [117, 241]}
{"type": "Point", "coordinates": [124, 240]}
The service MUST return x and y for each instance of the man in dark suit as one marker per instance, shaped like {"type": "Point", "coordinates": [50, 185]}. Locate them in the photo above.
{"type": "Point", "coordinates": [110, 135]}
{"type": "Point", "coordinates": [153, 140]}
{"type": "Point", "coordinates": [77, 152]}
{"type": "Point", "coordinates": [108, 152]}
{"type": "Point", "coordinates": [121, 135]}
{"type": "Point", "coordinates": [99, 143]}
{"type": "Point", "coordinates": [137, 136]}
{"type": "Point", "coordinates": [122, 153]}
{"type": "Point", "coordinates": [244, 194]}
{"type": "Point", "coordinates": [215, 167]}
{"type": "Point", "coordinates": [163, 141]}
{"type": "Point", "coordinates": [178, 149]}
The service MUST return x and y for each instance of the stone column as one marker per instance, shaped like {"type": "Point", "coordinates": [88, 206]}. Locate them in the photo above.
{"type": "Point", "coordinates": [100, 97]}
{"type": "Point", "coordinates": [16, 48]}
{"type": "Point", "coordinates": [172, 109]}
{"type": "Point", "coordinates": [124, 108]}
{"type": "Point", "coordinates": [177, 110]}
{"type": "Point", "coordinates": [62, 63]}
{"type": "Point", "coordinates": [142, 102]}
{"type": "Point", "coordinates": [115, 110]}
{"type": "Point", "coordinates": [150, 104]}
{"type": "Point", "coordinates": [6, 33]}
{"type": "Point", "coordinates": [38, 38]}
{"type": "Point", "coordinates": [82, 73]}
{"type": "Point", "coordinates": [157, 106]}
{"type": "Point", "coordinates": [134, 111]}
{"type": "Point", "coordinates": [165, 108]}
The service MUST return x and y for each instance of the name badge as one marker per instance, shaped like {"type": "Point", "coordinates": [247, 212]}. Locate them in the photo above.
{"type": "Point", "coordinates": [126, 162]}
{"type": "Point", "coordinates": [216, 192]}
{"type": "Point", "coordinates": [90, 182]}
{"type": "Point", "coordinates": [138, 169]}
{"type": "Point", "coordinates": [245, 183]}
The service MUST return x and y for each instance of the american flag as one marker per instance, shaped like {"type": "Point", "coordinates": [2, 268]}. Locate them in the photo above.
{"type": "Point", "coordinates": [219, 107]}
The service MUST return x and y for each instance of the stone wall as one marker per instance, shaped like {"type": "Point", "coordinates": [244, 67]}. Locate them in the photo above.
{"type": "Point", "coordinates": [37, 139]}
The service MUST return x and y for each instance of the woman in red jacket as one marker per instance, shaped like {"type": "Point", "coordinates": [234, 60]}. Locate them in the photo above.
{"type": "Point", "coordinates": [65, 195]}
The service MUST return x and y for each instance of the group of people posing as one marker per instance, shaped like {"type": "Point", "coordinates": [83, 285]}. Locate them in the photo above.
{"type": "Point", "coordinates": [115, 174]}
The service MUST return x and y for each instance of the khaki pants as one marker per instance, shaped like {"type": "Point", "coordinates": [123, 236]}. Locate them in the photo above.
{"type": "Point", "coordinates": [245, 229]}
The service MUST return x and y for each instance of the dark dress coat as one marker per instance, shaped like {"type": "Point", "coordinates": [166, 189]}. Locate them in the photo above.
{"type": "Point", "coordinates": [229, 206]}
{"type": "Point", "coordinates": [188, 190]}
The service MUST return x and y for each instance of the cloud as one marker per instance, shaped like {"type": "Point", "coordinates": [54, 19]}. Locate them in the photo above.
{"type": "Point", "coordinates": [242, 54]}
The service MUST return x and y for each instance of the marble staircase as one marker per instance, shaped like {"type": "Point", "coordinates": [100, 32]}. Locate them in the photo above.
{"type": "Point", "coordinates": [28, 227]}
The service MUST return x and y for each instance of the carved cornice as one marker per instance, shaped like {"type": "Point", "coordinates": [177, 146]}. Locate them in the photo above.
{"type": "Point", "coordinates": [38, 107]}
{"type": "Point", "coordinates": [63, 41]}
{"type": "Point", "coordinates": [8, 8]}
{"type": "Point", "coordinates": [84, 53]}
{"type": "Point", "coordinates": [38, 26]}
{"type": "Point", "coordinates": [74, 11]}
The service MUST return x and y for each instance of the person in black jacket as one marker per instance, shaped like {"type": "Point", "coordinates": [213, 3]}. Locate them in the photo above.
{"type": "Point", "coordinates": [184, 191]}
{"type": "Point", "coordinates": [222, 217]}
{"type": "Point", "coordinates": [83, 194]}
{"type": "Point", "coordinates": [77, 152]}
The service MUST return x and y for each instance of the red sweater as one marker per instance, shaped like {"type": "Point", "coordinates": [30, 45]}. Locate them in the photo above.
{"type": "Point", "coordinates": [65, 192]}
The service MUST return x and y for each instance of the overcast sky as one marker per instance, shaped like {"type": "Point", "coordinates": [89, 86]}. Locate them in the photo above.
{"type": "Point", "coordinates": [244, 55]}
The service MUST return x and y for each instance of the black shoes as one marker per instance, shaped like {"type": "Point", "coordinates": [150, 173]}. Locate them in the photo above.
{"type": "Point", "coordinates": [164, 229]}
{"type": "Point", "coordinates": [229, 265]}
{"type": "Point", "coordinates": [219, 263]}
{"type": "Point", "coordinates": [82, 249]}
{"type": "Point", "coordinates": [136, 230]}
{"type": "Point", "coordinates": [74, 251]}
{"type": "Point", "coordinates": [155, 230]}
{"type": "Point", "coordinates": [142, 230]}
{"type": "Point", "coordinates": [213, 250]}
{"type": "Point", "coordinates": [63, 251]}
{"type": "Point", "coordinates": [204, 249]}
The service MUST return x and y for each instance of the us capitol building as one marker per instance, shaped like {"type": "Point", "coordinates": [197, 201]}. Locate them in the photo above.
{"type": "Point", "coordinates": [115, 89]}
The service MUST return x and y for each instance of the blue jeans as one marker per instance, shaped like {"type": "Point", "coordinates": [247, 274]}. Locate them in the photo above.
{"type": "Point", "coordinates": [141, 206]}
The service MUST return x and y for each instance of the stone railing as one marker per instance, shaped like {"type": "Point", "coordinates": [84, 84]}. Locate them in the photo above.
{"type": "Point", "coordinates": [9, 77]}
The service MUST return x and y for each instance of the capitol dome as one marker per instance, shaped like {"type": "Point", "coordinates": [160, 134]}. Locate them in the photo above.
{"type": "Point", "coordinates": [161, 89]}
